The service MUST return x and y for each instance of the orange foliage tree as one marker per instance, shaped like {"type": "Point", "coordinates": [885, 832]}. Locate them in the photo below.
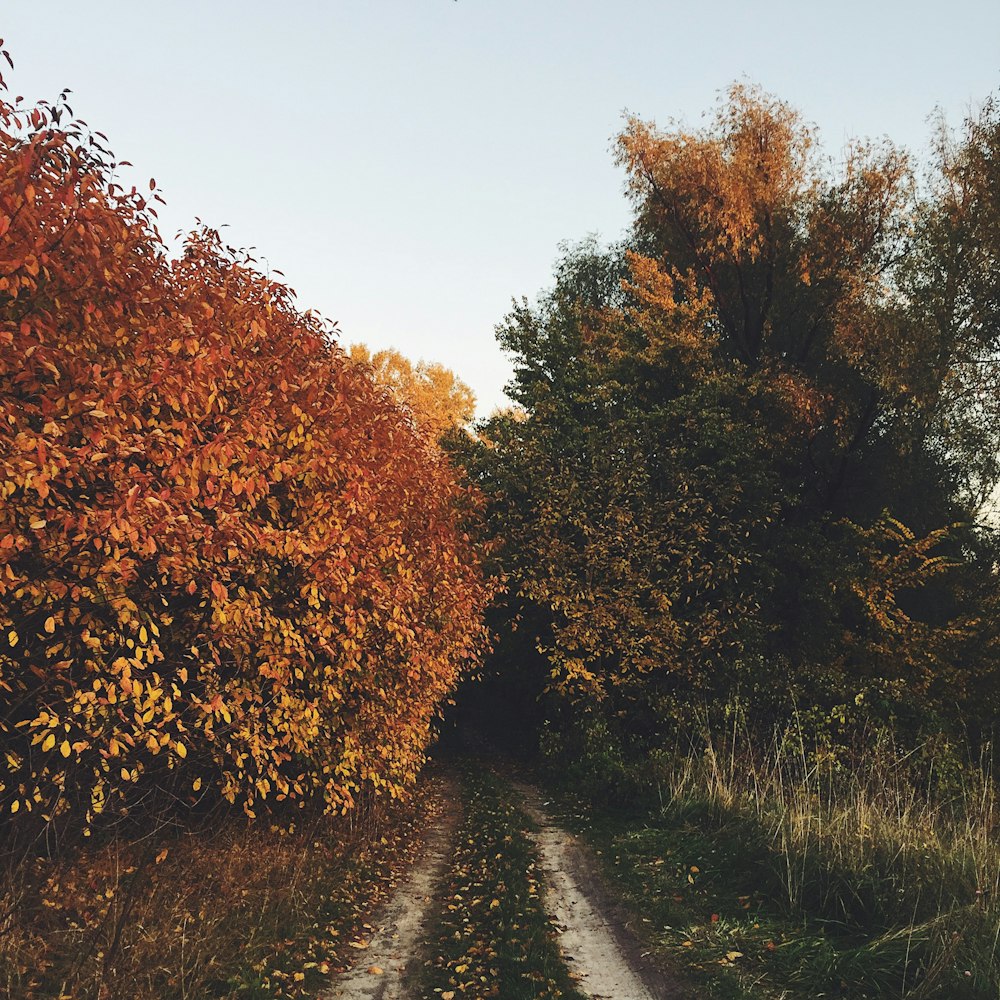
{"type": "Point", "coordinates": [229, 566]}
{"type": "Point", "coordinates": [438, 399]}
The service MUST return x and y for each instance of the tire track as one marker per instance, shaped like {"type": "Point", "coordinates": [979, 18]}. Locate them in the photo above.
{"type": "Point", "coordinates": [381, 970]}
{"type": "Point", "coordinates": [595, 943]}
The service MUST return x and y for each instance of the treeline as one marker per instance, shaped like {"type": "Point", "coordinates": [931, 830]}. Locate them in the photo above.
{"type": "Point", "coordinates": [754, 442]}
{"type": "Point", "coordinates": [231, 565]}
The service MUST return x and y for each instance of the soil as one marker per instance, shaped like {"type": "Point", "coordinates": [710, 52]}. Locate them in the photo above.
{"type": "Point", "coordinates": [605, 957]}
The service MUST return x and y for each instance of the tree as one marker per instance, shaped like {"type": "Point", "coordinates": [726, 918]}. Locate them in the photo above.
{"type": "Point", "coordinates": [951, 284]}
{"type": "Point", "coordinates": [734, 476]}
{"type": "Point", "coordinates": [437, 398]}
{"type": "Point", "coordinates": [229, 566]}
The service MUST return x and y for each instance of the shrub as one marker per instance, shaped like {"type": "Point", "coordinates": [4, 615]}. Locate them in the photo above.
{"type": "Point", "coordinates": [229, 564]}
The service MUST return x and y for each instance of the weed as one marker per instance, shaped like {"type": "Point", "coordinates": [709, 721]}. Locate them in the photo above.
{"type": "Point", "coordinates": [246, 910]}
{"type": "Point", "coordinates": [774, 870]}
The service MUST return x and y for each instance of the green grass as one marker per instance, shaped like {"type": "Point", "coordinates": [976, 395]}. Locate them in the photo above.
{"type": "Point", "coordinates": [492, 937]}
{"type": "Point", "coordinates": [768, 874]}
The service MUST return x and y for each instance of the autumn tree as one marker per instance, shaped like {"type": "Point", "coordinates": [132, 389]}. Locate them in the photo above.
{"type": "Point", "coordinates": [437, 398]}
{"type": "Point", "coordinates": [735, 476]}
{"type": "Point", "coordinates": [952, 290]}
{"type": "Point", "coordinates": [230, 566]}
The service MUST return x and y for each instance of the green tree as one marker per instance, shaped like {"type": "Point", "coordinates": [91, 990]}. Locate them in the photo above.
{"type": "Point", "coordinates": [735, 474]}
{"type": "Point", "coordinates": [952, 283]}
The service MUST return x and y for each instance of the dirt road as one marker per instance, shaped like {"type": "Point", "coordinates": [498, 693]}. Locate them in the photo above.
{"type": "Point", "coordinates": [597, 947]}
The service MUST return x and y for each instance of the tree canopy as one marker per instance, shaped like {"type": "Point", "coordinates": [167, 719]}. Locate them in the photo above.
{"type": "Point", "coordinates": [436, 397]}
{"type": "Point", "coordinates": [759, 430]}
{"type": "Point", "coordinates": [230, 566]}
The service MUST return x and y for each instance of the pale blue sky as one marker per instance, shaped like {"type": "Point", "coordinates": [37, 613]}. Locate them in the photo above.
{"type": "Point", "coordinates": [410, 165]}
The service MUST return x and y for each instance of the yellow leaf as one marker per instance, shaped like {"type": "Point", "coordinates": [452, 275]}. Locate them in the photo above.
{"type": "Point", "coordinates": [196, 784]}
{"type": "Point", "coordinates": [50, 624]}
{"type": "Point", "coordinates": [65, 749]}
{"type": "Point", "coordinates": [181, 749]}
{"type": "Point", "coordinates": [49, 742]}
{"type": "Point", "coordinates": [15, 805]}
{"type": "Point", "coordinates": [143, 635]}
{"type": "Point", "coordinates": [12, 637]}
{"type": "Point", "coordinates": [375, 970]}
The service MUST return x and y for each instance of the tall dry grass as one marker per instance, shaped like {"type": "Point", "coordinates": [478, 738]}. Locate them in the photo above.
{"type": "Point", "coordinates": [882, 847]}
{"type": "Point", "coordinates": [234, 909]}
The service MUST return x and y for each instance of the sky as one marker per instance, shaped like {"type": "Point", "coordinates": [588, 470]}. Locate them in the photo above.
{"type": "Point", "coordinates": [411, 166]}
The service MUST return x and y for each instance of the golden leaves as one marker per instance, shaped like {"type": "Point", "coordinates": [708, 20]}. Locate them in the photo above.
{"type": "Point", "coordinates": [212, 522]}
{"type": "Point", "coordinates": [437, 398]}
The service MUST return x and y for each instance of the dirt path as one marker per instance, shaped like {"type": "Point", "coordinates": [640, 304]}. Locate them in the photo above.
{"type": "Point", "coordinates": [596, 944]}
{"type": "Point", "coordinates": [380, 972]}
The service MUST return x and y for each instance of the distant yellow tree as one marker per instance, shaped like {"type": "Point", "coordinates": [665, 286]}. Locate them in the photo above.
{"type": "Point", "coordinates": [438, 399]}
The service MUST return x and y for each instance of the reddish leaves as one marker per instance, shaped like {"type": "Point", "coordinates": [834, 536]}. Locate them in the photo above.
{"type": "Point", "coordinates": [226, 556]}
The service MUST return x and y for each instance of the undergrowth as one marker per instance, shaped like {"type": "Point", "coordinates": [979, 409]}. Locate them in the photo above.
{"type": "Point", "coordinates": [775, 870]}
{"type": "Point", "coordinates": [244, 911]}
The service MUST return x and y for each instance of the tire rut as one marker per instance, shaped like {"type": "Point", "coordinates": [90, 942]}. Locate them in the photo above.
{"type": "Point", "coordinates": [381, 969]}
{"type": "Point", "coordinates": [604, 956]}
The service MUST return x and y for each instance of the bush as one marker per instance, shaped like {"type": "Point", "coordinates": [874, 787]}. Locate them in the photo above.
{"type": "Point", "coordinates": [229, 564]}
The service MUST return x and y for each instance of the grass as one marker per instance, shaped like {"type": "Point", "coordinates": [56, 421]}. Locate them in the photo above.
{"type": "Point", "coordinates": [492, 937]}
{"type": "Point", "coordinates": [776, 872]}
{"type": "Point", "coordinates": [253, 911]}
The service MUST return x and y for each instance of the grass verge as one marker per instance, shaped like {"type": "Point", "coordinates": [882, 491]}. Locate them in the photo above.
{"type": "Point", "coordinates": [248, 911]}
{"type": "Point", "coordinates": [493, 937]}
{"type": "Point", "coordinates": [767, 874]}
